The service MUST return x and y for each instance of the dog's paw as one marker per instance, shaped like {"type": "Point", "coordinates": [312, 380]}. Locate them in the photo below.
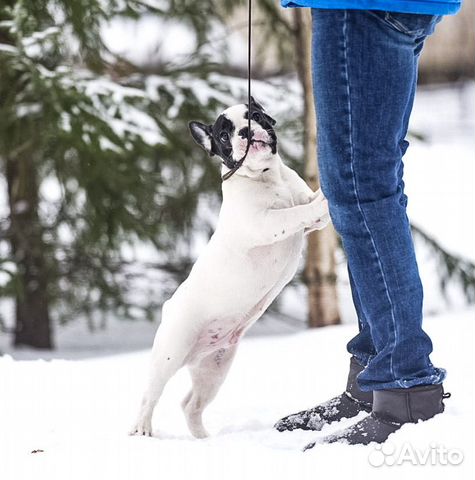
{"type": "Point", "coordinates": [308, 196]}
{"type": "Point", "coordinates": [319, 206]}
{"type": "Point", "coordinates": [142, 429]}
{"type": "Point", "coordinates": [303, 198]}
{"type": "Point", "coordinates": [322, 222]}
{"type": "Point", "coordinates": [199, 432]}
{"type": "Point", "coordinates": [318, 194]}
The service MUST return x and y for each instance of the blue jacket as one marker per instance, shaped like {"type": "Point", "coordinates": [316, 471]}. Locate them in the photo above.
{"type": "Point", "coordinates": [433, 7]}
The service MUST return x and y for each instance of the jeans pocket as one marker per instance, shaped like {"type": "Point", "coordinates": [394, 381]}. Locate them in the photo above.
{"type": "Point", "coordinates": [412, 24]}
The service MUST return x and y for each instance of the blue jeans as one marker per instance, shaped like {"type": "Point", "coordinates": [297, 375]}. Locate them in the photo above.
{"type": "Point", "coordinates": [364, 79]}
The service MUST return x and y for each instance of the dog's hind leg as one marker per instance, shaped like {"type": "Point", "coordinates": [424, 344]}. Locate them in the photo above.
{"type": "Point", "coordinates": [171, 346]}
{"type": "Point", "coordinates": [207, 377]}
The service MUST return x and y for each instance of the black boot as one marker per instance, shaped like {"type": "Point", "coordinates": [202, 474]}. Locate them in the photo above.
{"type": "Point", "coordinates": [392, 408]}
{"type": "Point", "coordinates": [347, 405]}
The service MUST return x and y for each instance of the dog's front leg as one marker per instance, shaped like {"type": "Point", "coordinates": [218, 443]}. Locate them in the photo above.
{"type": "Point", "coordinates": [313, 229]}
{"type": "Point", "coordinates": [279, 224]}
{"type": "Point", "coordinates": [301, 192]}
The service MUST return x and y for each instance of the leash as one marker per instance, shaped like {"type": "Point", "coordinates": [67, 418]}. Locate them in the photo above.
{"type": "Point", "coordinates": [240, 162]}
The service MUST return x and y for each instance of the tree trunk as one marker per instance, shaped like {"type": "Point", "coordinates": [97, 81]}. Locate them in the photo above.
{"type": "Point", "coordinates": [33, 326]}
{"type": "Point", "coordinates": [320, 268]}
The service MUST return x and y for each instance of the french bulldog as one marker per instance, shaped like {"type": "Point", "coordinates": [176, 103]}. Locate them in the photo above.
{"type": "Point", "coordinates": [267, 210]}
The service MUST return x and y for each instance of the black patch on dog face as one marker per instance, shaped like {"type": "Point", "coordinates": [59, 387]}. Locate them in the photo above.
{"type": "Point", "coordinates": [221, 134]}
{"type": "Point", "coordinates": [259, 116]}
{"type": "Point", "coordinates": [216, 138]}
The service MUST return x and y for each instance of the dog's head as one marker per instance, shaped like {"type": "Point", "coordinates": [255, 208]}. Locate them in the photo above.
{"type": "Point", "coordinates": [228, 136]}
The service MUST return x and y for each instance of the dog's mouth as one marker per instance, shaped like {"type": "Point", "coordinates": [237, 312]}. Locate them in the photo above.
{"type": "Point", "coordinates": [257, 146]}
{"type": "Point", "coordinates": [262, 144]}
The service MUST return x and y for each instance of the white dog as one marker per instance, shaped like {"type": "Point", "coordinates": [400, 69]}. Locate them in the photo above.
{"type": "Point", "coordinates": [254, 252]}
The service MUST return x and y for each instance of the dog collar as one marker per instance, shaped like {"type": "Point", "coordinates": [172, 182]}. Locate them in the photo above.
{"type": "Point", "coordinates": [231, 172]}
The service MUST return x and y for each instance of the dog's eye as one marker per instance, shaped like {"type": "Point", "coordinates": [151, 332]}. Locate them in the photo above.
{"type": "Point", "coordinates": [223, 137]}
{"type": "Point", "coordinates": [256, 116]}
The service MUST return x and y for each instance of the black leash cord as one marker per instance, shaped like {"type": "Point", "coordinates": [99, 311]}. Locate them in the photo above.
{"type": "Point", "coordinates": [240, 162]}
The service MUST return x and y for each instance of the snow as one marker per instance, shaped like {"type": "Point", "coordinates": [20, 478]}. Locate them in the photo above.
{"type": "Point", "coordinates": [38, 37]}
{"type": "Point", "coordinates": [23, 110]}
{"type": "Point", "coordinates": [75, 414]}
{"type": "Point", "coordinates": [5, 48]}
{"type": "Point", "coordinates": [108, 100]}
{"type": "Point", "coordinates": [45, 72]}
{"type": "Point", "coordinates": [148, 39]}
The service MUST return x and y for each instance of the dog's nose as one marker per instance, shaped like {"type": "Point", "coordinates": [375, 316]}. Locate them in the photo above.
{"type": "Point", "coordinates": [243, 132]}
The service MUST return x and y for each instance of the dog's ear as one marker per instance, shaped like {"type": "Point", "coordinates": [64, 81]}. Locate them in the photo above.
{"type": "Point", "coordinates": [270, 119]}
{"type": "Point", "coordinates": [201, 134]}
{"type": "Point", "coordinates": [258, 106]}
{"type": "Point", "coordinates": [254, 104]}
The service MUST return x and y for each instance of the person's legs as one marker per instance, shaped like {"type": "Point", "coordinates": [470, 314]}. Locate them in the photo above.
{"type": "Point", "coordinates": [364, 74]}
{"type": "Point", "coordinates": [361, 346]}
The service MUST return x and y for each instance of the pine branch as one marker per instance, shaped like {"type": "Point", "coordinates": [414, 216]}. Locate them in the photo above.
{"type": "Point", "coordinates": [451, 267]}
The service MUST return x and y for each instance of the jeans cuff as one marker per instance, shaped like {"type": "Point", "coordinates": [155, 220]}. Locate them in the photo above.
{"type": "Point", "coordinates": [438, 376]}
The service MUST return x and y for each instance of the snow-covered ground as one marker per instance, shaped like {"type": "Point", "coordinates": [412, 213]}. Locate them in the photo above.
{"type": "Point", "coordinates": [68, 419]}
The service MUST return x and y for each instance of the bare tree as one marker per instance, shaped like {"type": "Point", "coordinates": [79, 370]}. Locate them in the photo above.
{"type": "Point", "coordinates": [320, 274]}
